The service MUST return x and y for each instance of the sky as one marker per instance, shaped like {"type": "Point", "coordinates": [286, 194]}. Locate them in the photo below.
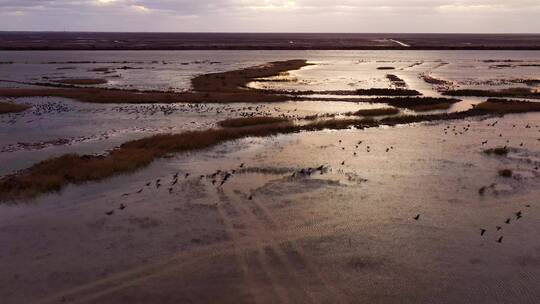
{"type": "Point", "coordinates": [350, 16]}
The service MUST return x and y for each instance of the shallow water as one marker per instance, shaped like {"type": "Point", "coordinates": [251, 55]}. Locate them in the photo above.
{"type": "Point", "coordinates": [337, 235]}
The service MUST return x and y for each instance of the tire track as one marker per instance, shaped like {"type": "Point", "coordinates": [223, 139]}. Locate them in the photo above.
{"type": "Point", "coordinates": [286, 283]}
{"type": "Point", "coordinates": [254, 271]}
{"type": "Point", "coordinates": [293, 252]}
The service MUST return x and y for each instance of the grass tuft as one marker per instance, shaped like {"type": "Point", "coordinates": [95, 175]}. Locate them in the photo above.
{"type": "Point", "coordinates": [501, 151]}
{"type": "Point", "coordinates": [505, 173]}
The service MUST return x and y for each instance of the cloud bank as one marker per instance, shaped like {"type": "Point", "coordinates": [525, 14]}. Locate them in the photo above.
{"type": "Point", "coordinates": [472, 16]}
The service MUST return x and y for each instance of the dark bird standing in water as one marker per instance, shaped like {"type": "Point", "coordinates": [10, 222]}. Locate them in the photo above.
{"type": "Point", "coordinates": [500, 240]}
{"type": "Point", "coordinates": [139, 191]}
{"type": "Point", "coordinates": [507, 221]}
{"type": "Point", "coordinates": [122, 207]}
{"type": "Point", "coordinates": [417, 217]}
{"type": "Point", "coordinates": [110, 212]}
{"type": "Point", "coordinates": [482, 231]}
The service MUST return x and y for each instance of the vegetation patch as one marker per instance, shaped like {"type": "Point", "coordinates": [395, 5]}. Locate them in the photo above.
{"type": "Point", "coordinates": [510, 92]}
{"type": "Point", "coordinates": [419, 104]}
{"type": "Point", "coordinates": [396, 81]}
{"type": "Point", "coordinates": [505, 173]}
{"type": "Point", "coordinates": [374, 112]}
{"type": "Point", "coordinates": [232, 81]}
{"type": "Point", "coordinates": [503, 106]}
{"type": "Point", "coordinates": [501, 151]}
{"type": "Point", "coordinates": [387, 92]}
{"type": "Point", "coordinates": [435, 81]}
{"type": "Point", "coordinates": [81, 81]}
{"type": "Point", "coordinates": [8, 107]}
{"type": "Point", "coordinates": [251, 121]}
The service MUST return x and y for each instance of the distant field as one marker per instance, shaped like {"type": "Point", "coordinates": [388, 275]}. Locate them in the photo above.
{"type": "Point", "coordinates": [267, 41]}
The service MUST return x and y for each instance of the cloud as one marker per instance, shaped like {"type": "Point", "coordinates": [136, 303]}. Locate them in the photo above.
{"type": "Point", "coordinates": [273, 15]}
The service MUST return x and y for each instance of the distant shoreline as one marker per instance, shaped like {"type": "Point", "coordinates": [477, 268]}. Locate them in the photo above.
{"type": "Point", "coordinates": [110, 41]}
{"type": "Point", "coordinates": [276, 49]}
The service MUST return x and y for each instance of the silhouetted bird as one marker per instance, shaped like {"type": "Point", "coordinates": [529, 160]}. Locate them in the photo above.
{"type": "Point", "coordinates": [148, 184]}
{"type": "Point", "coordinates": [500, 240]}
{"type": "Point", "coordinates": [482, 231]}
{"type": "Point", "coordinates": [140, 191]}
{"type": "Point", "coordinates": [417, 217]}
{"type": "Point", "coordinates": [343, 163]}
{"type": "Point", "coordinates": [250, 197]}
{"type": "Point", "coordinates": [187, 174]}
{"type": "Point", "coordinates": [110, 212]}
{"type": "Point", "coordinates": [122, 207]}
{"type": "Point", "coordinates": [499, 228]}
{"type": "Point", "coordinates": [507, 221]}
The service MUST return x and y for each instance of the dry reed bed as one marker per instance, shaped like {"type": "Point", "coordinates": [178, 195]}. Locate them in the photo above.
{"type": "Point", "coordinates": [251, 121]}
{"type": "Point", "coordinates": [81, 81]}
{"type": "Point", "coordinates": [227, 87]}
{"type": "Point", "coordinates": [55, 173]}
{"type": "Point", "coordinates": [8, 107]}
{"type": "Point", "coordinates": [510, 93]}
{"type": "Point", "coordinates": [233, 81]}
{"type": "Point", "coordinates": [374, 112]}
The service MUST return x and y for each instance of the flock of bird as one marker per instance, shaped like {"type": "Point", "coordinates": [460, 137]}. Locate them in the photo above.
{"type": "Point", "coordinates": [461, 131]}
{"type": "Point", "coordinates": [37, 112]}
{"type": "Point", "coordinates": [217, 178]}
{"type": "Point", "coordinates": [518, 215]}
